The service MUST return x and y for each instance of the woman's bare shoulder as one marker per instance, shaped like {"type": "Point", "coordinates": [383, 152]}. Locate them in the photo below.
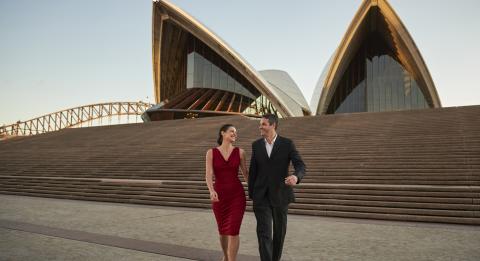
{"type": "Point", "coordinates": [242, 151]}
{"type": "Point", "coordinates": [209, 152]}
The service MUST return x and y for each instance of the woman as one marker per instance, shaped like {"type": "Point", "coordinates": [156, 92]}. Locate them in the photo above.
{"type": "Point", "coordinates": [227, 194]}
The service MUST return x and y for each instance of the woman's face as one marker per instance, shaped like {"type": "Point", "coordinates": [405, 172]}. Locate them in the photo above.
{"type": "Point", "coordinates": [230, 134]}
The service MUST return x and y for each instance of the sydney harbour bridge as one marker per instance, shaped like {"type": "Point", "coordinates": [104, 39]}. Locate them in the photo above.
{"type": "Point", "coordinates": [81, 116]}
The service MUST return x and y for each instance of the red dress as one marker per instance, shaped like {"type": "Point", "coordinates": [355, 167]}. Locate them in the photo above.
{"type": "Point", "coordinates": [230, 208]}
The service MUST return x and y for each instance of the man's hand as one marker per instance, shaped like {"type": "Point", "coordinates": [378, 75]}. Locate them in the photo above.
{"type": "Point", "coordinates": [291, 180]}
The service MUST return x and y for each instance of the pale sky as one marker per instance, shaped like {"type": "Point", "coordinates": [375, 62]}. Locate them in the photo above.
{"type": "Point", "coordinates": [60, 54]}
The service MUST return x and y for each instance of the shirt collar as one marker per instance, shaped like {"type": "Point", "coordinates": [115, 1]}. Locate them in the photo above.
{"type": "Point", "coordinates": [273, 141]}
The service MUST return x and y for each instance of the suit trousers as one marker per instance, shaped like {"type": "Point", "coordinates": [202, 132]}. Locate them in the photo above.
{"type": "Point", "coordinates": [270, 248]}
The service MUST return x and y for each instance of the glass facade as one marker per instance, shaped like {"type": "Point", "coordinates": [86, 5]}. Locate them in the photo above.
{"type": "Point", "coordinates": [195, 81]}
{"type": "Point", "coordinates": [201, 73]}
{"type": "Point", "coordinates": [376, 81]}
{"type": "Point", "coordinates": [207, 70]}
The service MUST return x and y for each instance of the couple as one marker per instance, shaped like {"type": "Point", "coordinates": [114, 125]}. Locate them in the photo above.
{"type": "Point", "coordinates": [269, 186]}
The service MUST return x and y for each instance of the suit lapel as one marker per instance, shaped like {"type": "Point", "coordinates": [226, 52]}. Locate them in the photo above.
{"type": "Point", "coordinates": [276, 146]}
{"type": "Point", "coordinates": [263, 148]}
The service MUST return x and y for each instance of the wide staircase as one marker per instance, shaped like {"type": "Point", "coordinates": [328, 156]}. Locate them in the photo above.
{"type": "Point", "coordinates": [420, 165]}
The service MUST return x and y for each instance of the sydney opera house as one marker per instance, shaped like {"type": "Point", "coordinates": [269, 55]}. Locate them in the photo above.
{"type": "Point", "coordinates": [376, 67]}
{"type": "Point", "coordinates": [196, 74]}
{"type": "Point", "coordinates": [375, 139]}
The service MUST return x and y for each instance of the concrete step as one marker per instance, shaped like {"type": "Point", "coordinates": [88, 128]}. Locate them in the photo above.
{"type": "Point", "coordinates": [421, 165]}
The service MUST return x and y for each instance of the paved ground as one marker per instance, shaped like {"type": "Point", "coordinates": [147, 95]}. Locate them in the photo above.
{"type": "Point", "coordinates": [53, 229]}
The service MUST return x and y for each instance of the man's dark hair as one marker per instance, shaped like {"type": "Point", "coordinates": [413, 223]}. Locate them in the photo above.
{"type": "Point", "coordinates": [272, 118]}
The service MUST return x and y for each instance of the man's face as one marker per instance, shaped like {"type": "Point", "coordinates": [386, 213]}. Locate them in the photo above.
{"type": "Point", "coordinates": [265, 127]}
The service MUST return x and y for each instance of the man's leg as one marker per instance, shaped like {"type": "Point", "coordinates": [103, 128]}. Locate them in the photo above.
{"type": "Point", "coordinates": [279, 230]}
{"type": "Point", "coordinates": [263, 214]}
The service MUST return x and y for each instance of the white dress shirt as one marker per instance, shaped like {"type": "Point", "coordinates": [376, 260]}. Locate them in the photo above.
{"type": "Point", "coordinates": [269, 146]}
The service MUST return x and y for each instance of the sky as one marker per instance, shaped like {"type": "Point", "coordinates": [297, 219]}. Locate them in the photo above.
{"type": "Point", "coordinates": [60, 54]}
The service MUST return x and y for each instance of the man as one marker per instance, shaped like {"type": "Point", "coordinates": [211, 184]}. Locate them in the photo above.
{"type": "Point", "coordinates": [270, 186]}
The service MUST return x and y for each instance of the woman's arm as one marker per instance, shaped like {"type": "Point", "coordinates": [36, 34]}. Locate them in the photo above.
{"type": "Point", "coordinates": [252, 173]}
{"type": "Point", "coordinates": [243, 164]}
{"type": "Point", "coordinates": [209, 176]}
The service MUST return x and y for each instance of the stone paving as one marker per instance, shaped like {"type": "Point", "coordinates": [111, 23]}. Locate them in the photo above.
{"type": "Point", "coordinates": [54, 229]}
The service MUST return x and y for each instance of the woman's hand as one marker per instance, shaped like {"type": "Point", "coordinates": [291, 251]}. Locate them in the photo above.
{"type": "Point", "coordinates": [214, 196]}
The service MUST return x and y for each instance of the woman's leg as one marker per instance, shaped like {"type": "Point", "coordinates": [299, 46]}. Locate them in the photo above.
{"type": "Point", "coordinates": [224, 244]}
{"type": "Point", "coordinates": [233, 245]}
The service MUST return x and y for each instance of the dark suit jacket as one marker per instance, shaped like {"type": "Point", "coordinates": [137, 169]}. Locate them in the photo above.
{"type": "Point", "coordinates": [266, 179]}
